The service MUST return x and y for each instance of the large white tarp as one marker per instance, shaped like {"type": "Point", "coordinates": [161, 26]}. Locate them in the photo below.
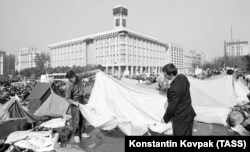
{"type": "Point", "coordinates": [135, 110]}
{"type": "Point", "coordinates": [213, 98]}
{"type": "Point", "coordinates": [115, 103]}
{"type": "Point", "coordinates": [223, 91]}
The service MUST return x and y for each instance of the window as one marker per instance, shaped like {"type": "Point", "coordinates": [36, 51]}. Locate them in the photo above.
{"type": "Point", "coordinates": [117, 22]}
{"type": "Point", "coordinates": [123, 22]}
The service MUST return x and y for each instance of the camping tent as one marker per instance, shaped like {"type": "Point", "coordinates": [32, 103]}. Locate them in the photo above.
{"type": "Point", "coordinates": [13, 117]}
{"type": "Point", "coordinates": [135, 111]}
{"type": "Point", "coordinates": [41, 95]}
{"type": "Point", "coordinates": [38, 95]}
{"type": "Point", "coordinates": [53, 106]}
{"type": "Point", "coordinates": [13, 109]}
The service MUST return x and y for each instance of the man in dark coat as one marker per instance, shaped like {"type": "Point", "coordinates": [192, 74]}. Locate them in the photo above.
{"type": "Point", "coordinates": [179, 110]}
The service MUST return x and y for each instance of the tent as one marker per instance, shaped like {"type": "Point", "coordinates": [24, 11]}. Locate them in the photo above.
{"type": "Point", "coordinates": [45, 104]}
{"type": "Point", "coordinates": [38, 95]}
{"type": "Point", "coordinates": [134, 110]}
{"type": "Point", "coordinates": [41, 95]}
{"type": "Point", "coordinates": [13, 109]}
{"type": "Point", "coordinates": [53, 106]}
{"type": "Point", "coordinates": [13, 117]}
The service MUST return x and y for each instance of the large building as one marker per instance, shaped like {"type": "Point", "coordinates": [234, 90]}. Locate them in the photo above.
{"type": "Point", "coordinates": [192, 60]}
{"type": "Point", "coordinates": [175, 55]}
{"type": "Point", "coordinates": [7, 63]}
{"type": "Point", "coordinates": [237, 48]}
{"type": "Point", "coordinates": [26, 58]}
{"type": "Point", "coordinates": [119, 50]}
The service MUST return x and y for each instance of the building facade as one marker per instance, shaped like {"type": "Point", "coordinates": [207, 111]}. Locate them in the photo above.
{"type": "Point", "coordinates": [192, 60]}
{"type": "Point", "coordinates": [7, 63]}
{"type": "Point", "coordinates": [188, 60]}
{"type": "Point", "coordinates": [26, 58]}
{"type": "Point", "coordinates": [175, 55]}
{"type": "Point", "coordinates": [119, 50]}
{"type": "Point", "coordinates": [238, 48]}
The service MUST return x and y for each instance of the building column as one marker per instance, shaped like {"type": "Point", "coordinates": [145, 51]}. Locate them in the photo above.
{"type": "Point", "coordinates": [106, 69]}
{"type": "Point", "coordinates": [113, 70]}
{"type": "Point", "coordinates": [141, 70]}
{"type": "Point", "coordinates": [129, 70]}
{"type": "Point", "coordinates": [132, 70]}
{"type": "Point", "coordinates": [119, 71]}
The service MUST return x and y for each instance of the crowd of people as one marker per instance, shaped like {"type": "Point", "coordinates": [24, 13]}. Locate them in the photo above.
{"type": "Point", "coordinates": [10, 88]}
{"type": "Point", "coordinates": [22, 89]}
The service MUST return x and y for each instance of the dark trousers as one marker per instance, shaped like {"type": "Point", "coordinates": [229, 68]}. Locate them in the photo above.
{"type": "Point", "coordinates": [78, 121]}
{"type": "Point", "coordinates": [184, 129]}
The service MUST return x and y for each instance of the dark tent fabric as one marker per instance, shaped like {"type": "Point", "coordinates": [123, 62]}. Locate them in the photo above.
{"type": "Point", "coordinates": [13, 109]}
{"type": "Point", "coordinates": [14, 124]}
{"type": "Point", "coordinates": [13, 118]}
{"type": "Point", "coordinates": [38, 95]}
{"type": "Point", "coordinates": [39, 90]}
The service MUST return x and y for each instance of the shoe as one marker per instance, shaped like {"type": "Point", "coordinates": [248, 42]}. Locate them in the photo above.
{"type": "Point", "coordinates": [84, 135]}
{"type": "Point", "coordinates": [77, 139]}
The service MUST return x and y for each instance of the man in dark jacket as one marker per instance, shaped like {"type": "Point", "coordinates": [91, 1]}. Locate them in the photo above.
{"type": "Point", "coordinates": [74, 93]}
{"type": "Point", "coordinates": [179, 110]}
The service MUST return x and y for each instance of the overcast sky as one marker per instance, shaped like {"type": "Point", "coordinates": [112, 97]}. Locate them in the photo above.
{"type": "Point", "coordinates": [200, 25]}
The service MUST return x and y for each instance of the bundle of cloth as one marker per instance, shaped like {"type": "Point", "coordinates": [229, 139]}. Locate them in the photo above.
{"type": "Point", "coordinates": [239, 118]}
{"type": "Point", "coordinates": [37, 141]}
{"type": "Point", "coordinates": [41, 138]}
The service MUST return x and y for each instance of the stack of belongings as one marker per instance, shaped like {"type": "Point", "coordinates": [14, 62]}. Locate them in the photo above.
{"type": "Point", "coordinates": [239, 118]}
{"type": "Point", "coordinates": [60, 126]}
{"type": "Point", "coordinates": [44, 137]}
{"type": "Point", "coordinates": [38, 140]}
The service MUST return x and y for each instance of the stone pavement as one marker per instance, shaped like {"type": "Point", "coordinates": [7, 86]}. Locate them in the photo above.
{"type": "Point", "coordinates": [114, 141]}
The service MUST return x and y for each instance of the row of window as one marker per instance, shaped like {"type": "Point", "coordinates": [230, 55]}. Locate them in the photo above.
{"type": "Point", "coordinates": [175, 48]}
{"type": "Point", "coordinates": [133, 47]}
{"type": "Point", "coordinates": [148, 61]}
{"type": "Point", "coordinates": [130, 52]}
{"type": "Point", "coordinates": [131, 41]}
{"type": "Point", "coordinates": [60, 51]}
